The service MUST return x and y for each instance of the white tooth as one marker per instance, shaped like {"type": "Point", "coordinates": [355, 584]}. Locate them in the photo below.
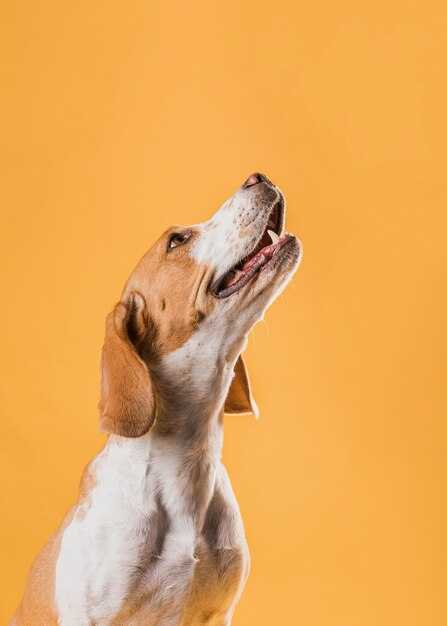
{"type": "Point", "coordinates": [238, 272]}
{"type": "Point", "coordinates": [273, 236]}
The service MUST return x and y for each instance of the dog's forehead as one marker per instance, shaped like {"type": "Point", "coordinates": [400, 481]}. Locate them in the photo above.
{"type": "Point", "coordinates": [161, 268]}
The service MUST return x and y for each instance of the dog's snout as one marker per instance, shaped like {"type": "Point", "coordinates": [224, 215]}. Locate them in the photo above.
{"type": "Point", "coordinates": [255, 179]}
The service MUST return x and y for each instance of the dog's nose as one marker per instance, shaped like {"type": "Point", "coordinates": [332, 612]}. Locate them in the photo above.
{"type": "Point", "coordinates": [255, 179]}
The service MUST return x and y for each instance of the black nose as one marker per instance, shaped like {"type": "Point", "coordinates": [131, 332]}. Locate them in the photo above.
{"type": "Point", "coordinates": [255, 179]}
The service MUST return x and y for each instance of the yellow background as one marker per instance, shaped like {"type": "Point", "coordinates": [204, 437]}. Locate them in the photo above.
{"type": "Point", "coordinates": [120, 118]}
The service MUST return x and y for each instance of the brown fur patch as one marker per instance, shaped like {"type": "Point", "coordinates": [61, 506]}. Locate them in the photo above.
{"type": "Point", "coordinates": [38, 606]}
{"type": "Point", "coordinates": [239, 398]}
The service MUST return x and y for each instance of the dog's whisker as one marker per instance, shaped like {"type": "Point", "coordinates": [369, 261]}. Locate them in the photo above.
{"type": "Point", "coordinates": [266, 326]}
{"type": "Point", "coordinates": [253, 334]}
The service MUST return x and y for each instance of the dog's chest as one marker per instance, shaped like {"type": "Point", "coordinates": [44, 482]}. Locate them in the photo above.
{"type": "Point", "coordinates": [134, 553]}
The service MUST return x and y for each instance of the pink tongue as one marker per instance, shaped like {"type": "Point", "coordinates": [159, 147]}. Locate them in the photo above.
{"type": "Point", "coordinates": [266, 252]}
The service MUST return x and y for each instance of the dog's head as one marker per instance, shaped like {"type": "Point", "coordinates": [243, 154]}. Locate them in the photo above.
{"type": "Point", "coordinates": [187, 307]}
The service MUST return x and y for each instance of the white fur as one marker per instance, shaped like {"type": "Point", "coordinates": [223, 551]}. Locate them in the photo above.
{"type": "Point", "coordinates": [228, 234]}
{"type": "Point", "coordinates": [102, 545]}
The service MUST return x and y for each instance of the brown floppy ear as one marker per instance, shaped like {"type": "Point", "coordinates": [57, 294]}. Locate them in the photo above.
{"type": "Point", "coordinates": [127, 405]}
{"type": "Point", "coordinates": [239, 398]}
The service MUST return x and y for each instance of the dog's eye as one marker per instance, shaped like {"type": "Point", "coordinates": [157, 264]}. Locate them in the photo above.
{"type": "Point", "coordinates": [177, 239]}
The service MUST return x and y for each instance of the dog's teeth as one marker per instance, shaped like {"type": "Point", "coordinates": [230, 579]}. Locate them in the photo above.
{"type": "Point", "coordinates": [237, 273]}
{"type": "Point", "coordinates": [273, 236]}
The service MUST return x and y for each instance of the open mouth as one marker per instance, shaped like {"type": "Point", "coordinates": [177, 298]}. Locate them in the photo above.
{"type": "Point", "coordinates": [266, 251]}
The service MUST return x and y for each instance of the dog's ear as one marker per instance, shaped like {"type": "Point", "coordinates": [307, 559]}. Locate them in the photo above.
{"type": "Point", "coordinates": [239, 398]}
{"type": "Point", "coordinates": [127, 405]}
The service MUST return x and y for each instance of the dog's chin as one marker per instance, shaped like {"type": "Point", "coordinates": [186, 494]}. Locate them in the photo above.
{"type": "Point", "coordinates": [276, 274]}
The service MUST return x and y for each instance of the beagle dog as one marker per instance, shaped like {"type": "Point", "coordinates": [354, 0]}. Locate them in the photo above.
{"type": "Point", "coordinates": [156, 537]}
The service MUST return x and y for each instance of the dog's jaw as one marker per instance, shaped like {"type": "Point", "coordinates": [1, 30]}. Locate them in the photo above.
{"type": "Point", "coordinates": [243, 242]}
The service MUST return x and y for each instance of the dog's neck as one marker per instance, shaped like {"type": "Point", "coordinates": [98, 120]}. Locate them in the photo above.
{"type": "Point", "coordinates": [170, 470]}
{"type": "Point", "coordinates": [184, 447]}
{"type": "Point", "coordinates": [192, 384]}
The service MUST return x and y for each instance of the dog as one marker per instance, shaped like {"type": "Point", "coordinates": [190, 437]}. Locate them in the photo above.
{"type": "Point", "coordinates": [156, 537]}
